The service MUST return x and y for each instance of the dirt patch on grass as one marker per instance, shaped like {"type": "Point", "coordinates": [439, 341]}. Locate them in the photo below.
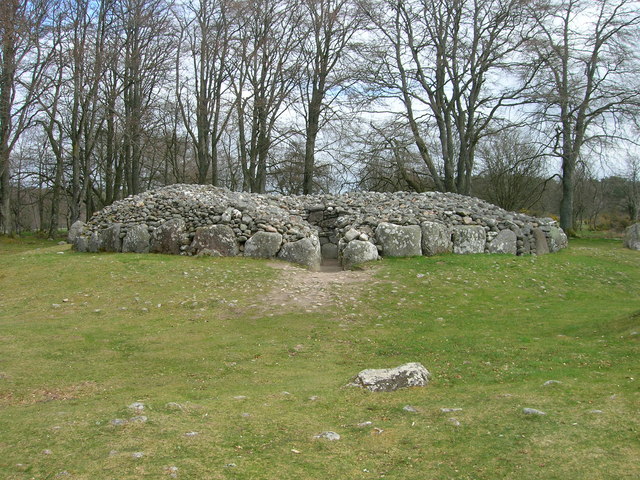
{"type": "Point", "coordinates": [69, 392]}
{"type": "Point", "coordinates": [303, 290]}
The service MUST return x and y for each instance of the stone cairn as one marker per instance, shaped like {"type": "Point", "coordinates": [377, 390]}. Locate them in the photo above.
{"type": "Point", "coordinates": [352, 228]}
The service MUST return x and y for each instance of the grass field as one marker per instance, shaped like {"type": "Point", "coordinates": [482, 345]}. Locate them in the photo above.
{"type": "Point", "coordinates": [236, 381]}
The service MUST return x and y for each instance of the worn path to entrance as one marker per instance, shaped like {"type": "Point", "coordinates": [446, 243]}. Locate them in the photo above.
{"type": "Point", "coordinates": [304, 290]}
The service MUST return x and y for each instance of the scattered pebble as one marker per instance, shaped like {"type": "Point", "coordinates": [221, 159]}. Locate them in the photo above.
{"type": "Point", "coordinates": [137, 454]}
{"type": "Point", "coordinates": [245, 415]}
{"type": "Point", "coordinates": [365, 424]}
{"type": "Point", "coordinates": [173, 406]}
{"type": "Point", "coordinates": [313, 398]}
{"type": "Point", "coordinates": [230, 465]}
{"type": "Point", "coordinates": [377, 431]}
{"type": "Point", "coordinates": [138, 419]}
{"type": "Point", "coordinates": [454, 422]}
{"type": "Point", "coordinates": [331, 436]}
{"type": "Point", "coordinates": [240, 397]}
{"type": "Point", "coordinates": [113, 453]}
{"type": "Point", "coordinates": [191, 434]}
{"type": "Point", "coordinates": [409, 408]}
{"type": "Point", "coordinates": [136, 406]}
{"type": "Point", "coordinates": [118, 421]}
{"type": "Point", "coordinates": [532, 411]}
{"type": "Point", "coordinates": [293, 450]}
{"type": "Point", "coordinates": [551, 382]}
{"type": "Point", "coordinates": [47, 452]}
{"type": "Point", "coordinates": [449, 410]}
{"type": "Point", "coordinates": [596, 411]}
{"type": "Point", "coordinates": [172, 471]}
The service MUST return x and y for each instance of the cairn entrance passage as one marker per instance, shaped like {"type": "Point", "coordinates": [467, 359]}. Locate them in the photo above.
{"type": "Point", "coordinates": [318, 231]}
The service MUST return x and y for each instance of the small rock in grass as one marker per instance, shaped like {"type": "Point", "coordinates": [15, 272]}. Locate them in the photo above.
{"type": "Point", "coordinates": [245, 415]}
{"type": "Point", "coordinates": [191, 434]}
{"type": "Point", "coordinates": [230, 465]}
{"type": "Point", "coordinates": [454, 422]}
{"type": "Point", "coordinates": [136, 406]}
{"type": "Point", "coordinates": [240, 397]}
{"type": "Point", "coordinates": [63, 473]}
{"type": "Point", "coordinates": [47, 452]}
{"type": "Point", "coordinates": [138, 419]}
{"type": "Point", "coordinates": [172, 471]}
{"type": "Point", "coordinates": [118, 421]}
{"type": "Point", "coordinates": [173, 406]}
{"type": "Point", "coordinates": [137, 454]}
{"type": "Point", "coordinates": [596, 411]}
{"type": "Point", "coordinates": [551, 382]}
{"type": "Point", "coordinates": [365, 424]}
{"type": "Point", "coordinates": [409, 408]}
{"type": "Point", "coordinates": [113, 453]}
{"type": "Point", "coordinates": [449, 410]}
{"type": "Point", "coordinates": [532, 411]}
{"type": "Point", "coordinates": [331, 436]}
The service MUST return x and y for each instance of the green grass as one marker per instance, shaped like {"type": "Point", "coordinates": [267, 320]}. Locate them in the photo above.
{"type": "Point", "coordinates": [82, 336]}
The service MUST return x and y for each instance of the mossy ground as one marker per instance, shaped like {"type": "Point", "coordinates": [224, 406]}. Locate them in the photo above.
{"type": "Point", "coordinates": [83, 336]}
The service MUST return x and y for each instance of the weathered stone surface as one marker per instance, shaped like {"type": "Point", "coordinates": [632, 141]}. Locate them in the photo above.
{"type": "Point", "coordinates": [540, 246]}
{"type": "Point", "coordinates": [436, 238]}
{"type": "Point", "coordinates": [632, 237]}
{"type": "Point", "coordinates": [557, 239]}
{"type": "Point", "coordinates": [358, 251]}
{"type": "Point", "coordinates": [504, 242]}
{"type": "Point", "coordinates": [109, 239]}
{"type": "Point", "coordinates": [74, 231]}
{"type": "Point", "coordinates": [136, 240]}
{"type": "Point", "coordinates": [218, 239]}
{"type": "Point", "coordinates": [304, 252]}
{"type": "Point", "coordinates": [469, 239]}
{"type": "Point", "coordinates": [263, 245]}
{"type": "Point", "coordinates": [390, 379]}
{"type": "Point", "coordinates": [175, 213]}
{"type": "Point", "coordinates": [167, 238]}
{"type": "Point", "coordinates": [398, 240]}
{"type": "Point", "coordinates": [81, 244]}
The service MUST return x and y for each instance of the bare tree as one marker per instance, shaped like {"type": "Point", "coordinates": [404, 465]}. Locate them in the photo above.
{"type": "Point", "coordinates": [23, 61]}
{"type": "Point", "coordinates": [267, 52]}
{"type": "Point", "coordinates": [328, 68]}
{"type": "Point", "coordinates": [443, 60]}
{"type": "Point", "coordinates": [513, 169]}
{"type": "Point", "coordinates": [208, 32]}
{"type": "Point", "coordinates": [587, 57]}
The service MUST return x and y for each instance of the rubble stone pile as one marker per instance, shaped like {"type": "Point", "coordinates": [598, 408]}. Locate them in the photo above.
{"type": "Point", "coordinates": [352, 228]}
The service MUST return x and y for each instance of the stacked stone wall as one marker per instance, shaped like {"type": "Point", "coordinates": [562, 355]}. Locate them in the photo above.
{"type": "Point", "coordinates": [354, 227]}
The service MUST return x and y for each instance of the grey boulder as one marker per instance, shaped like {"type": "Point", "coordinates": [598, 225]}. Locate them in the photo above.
{"type": "Point", "coordinates": [74, 231]}
{"type": "Point", "coordinates": [358, 251]}
{"type": "Point", "coordinates": [167, 238]}
{"type": "Point", "coordinates": [436, 238]}
{"type": "Point", "coordinates": [263, 245]}
{"type": "Point", "coordinates": [215, 240]}
{"type": "Point", "coordinates": [136, 240]}
{"type": "Point", "coordinates": [632, 237]}
{"type": "Point", "coordinates": [469, 239]}
{"type": "Point", "coordinates": [399, 241]}
{"type": "Point", "coordinates": [304, 252]}
{"type": "Point", "coordinates": [504, 242]}
{"type": "Point", "coordinates": [109, 239]}
{"type": "Point", "coordinates": [540, 239]}
{"type": "Point", "coordinates": [390, 379]}
{"type": "Point", "coordinates": [557, 239]}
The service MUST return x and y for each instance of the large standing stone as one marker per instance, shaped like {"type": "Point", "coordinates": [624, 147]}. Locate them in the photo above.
{"type": "Point", "coordinates": [557, 239]}
{"type": "Point", "coordinates": [136, 240]}
{"type": "Point", "coordinates": [358, 251]}
{"type": "Point", "coordinates": [632, 237]}
{"type": "Point", "coordinates": [216, 239]}
{"type": "Point", "coordinates": [436, 238]}
{"type": "Point", "coordinates": [505, 242]}
{"type": "Point", "coordinates": [263, 245]}
{"type": "Point", "coordinates": [399, 241]}
{"type": "Point", "coordinates": [74, 231]}
{"type": "Point", "coordinates": [167, 238]}
{"type": "Point", "coordinates": [469, 239]}
{"type": "Point", "coordinates": [541, 246]}
{"type": "Point", "coordinates": [304, 252]}
{"type": "Point", "coordinates": [93, 243]}
{"type": "Point", "coordinates": [390, 379]}
{"type": "Point", "coordinates": [109, 239]}
{"type": "Point", "coordinates": [81, 244]}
